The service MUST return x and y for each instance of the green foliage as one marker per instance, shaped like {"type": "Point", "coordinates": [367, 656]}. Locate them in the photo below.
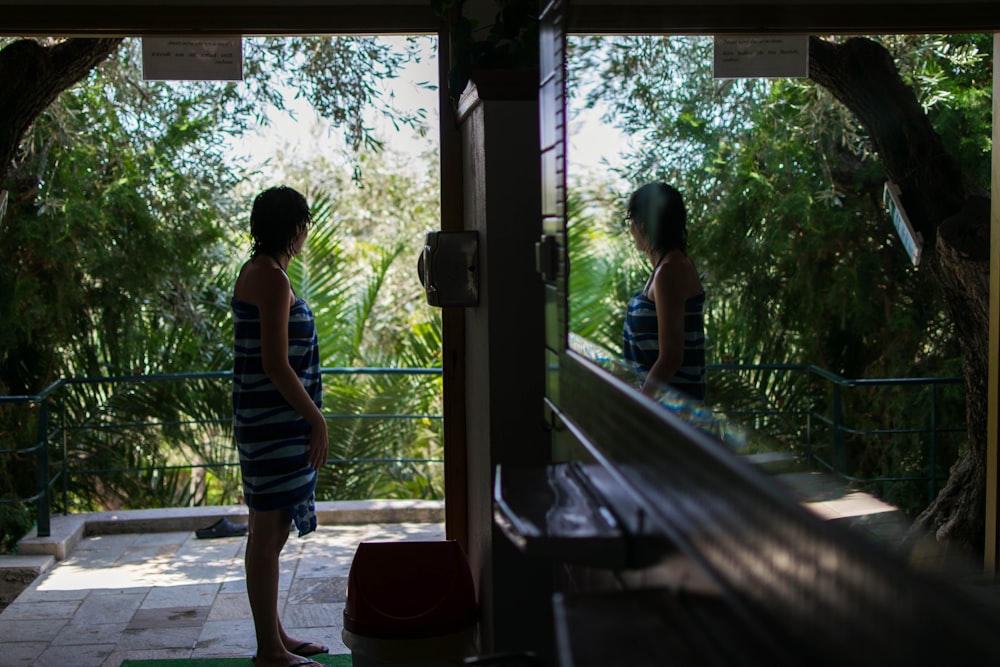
{"type": "Point", "coordinates": [119, 235]}
{"type": "Point", "coordinates": [153, 429]}
{"type": "Point", "coordinates": [952, 76]}
{"type": "Point", "coordinates": [15, 522]}
{"type": "Point", "coordinates": [341, 77]}
{"type": "Point", "coordinates": [369, 314]}
{"type": "Point", "coordinates": [113, 239]}
{"type": "Point", "coordinates": [783, 195]}
{"type": "Point", "coordinates": [604, 269]}
{"type": "Point", "coordinates": [162, 426]}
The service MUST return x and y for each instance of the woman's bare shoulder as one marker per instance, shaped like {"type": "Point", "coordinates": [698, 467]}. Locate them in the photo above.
{"type": "Point", "coordinates": [258, 282]}
{"type": "Point", "coordinates": [678, 275]}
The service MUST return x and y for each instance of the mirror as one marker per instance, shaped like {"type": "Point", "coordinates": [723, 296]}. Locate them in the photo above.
{"type": "Point", "coordinates": [828, 350]}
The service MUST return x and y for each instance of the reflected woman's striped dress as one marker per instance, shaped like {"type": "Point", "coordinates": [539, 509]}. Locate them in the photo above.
{"type": "Point", "coordinates": [273, 439]}
{"type": "Point", "coordinates": [641, 343]}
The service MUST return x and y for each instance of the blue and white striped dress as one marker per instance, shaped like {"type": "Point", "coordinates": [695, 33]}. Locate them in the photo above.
{"type": "Point", "coordinates": [272, 438]}
{"type": "Point", "coordinates": [641, 346]}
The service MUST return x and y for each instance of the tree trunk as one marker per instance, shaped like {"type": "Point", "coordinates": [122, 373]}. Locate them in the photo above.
{"type": "Point", "coordinates": [954, 219]}
{"type": "Point", "coordinates": [32, 76]}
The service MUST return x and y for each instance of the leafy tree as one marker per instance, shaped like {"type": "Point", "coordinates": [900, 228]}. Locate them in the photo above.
{"type": "Point", "coordinates": [112, 236]}
{"type": "Point", "coordinates": [333, 274]}
{"type": "Point", "coordinates": [951, 209]}
{"type": "Point", "coordinates": [149, 167]}
{"type": "Point", "coordinates": [34, 74]}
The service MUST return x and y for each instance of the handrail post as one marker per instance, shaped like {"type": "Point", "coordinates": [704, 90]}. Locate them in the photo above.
{"type": "Point", "coordinates": [42, 471]}
{"type": "Point", "coordinates": [809, 437]}
{"type": "Point", "coordinates": [839, 460]}
{"type": "Point", "coordinates": [63, 473]}
{"type": "Point", "coordinates": [810, 455]}
{"type": "Point", "coordinates": [932, 455]}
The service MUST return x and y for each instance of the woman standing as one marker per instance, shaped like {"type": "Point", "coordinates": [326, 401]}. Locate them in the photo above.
{"type": "Point", "coordinates": [664, 335]}
{"type": "Point", "coordinates": [277, 395]}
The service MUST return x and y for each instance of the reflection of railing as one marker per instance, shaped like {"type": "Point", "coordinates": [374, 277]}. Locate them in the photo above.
{"type": "Point", "coordinates": [799, 409]}
{"type": "Point", "coordinates": [56, 423]}
{"type": "Point", "coordinates": [834, 422]}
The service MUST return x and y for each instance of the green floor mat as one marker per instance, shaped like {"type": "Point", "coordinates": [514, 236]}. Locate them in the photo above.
{"type": "Point", "coordinates": [337, 660]}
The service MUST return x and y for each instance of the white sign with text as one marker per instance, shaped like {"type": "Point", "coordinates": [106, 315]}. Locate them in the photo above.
{"type": "Point", "coordinates": [761, 56]}
{"type": "Point", "coordinates": [192, 58]}
{"type": "Point", "coordinates": [913, 241]}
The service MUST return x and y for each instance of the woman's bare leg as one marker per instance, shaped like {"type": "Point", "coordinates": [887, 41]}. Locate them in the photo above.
{"type": "Point", "coordinates": [267, 536]}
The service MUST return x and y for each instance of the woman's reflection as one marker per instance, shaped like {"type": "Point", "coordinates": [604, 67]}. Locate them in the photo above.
{"type": "Point", "coordinates": [664, 334]}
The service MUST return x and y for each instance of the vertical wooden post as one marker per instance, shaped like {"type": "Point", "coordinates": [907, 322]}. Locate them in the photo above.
{"type": "Point", "coordinates": [992, 550]}
{"type": "Point", "coordinates": [452, 319]}
{"type": "Point", "coordinates": [504, 346]}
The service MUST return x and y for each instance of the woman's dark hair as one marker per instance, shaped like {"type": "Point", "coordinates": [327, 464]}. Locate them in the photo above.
{"type": "Point", "coordinates": [657, 209]}
{"type": "Point", "coordinates": [279, 214]}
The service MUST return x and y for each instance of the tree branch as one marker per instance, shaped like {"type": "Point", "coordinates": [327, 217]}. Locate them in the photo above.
{"type": "Point", "coordinates": [861, 74]}
{"type": "Point", "coordinates": [33, 75]}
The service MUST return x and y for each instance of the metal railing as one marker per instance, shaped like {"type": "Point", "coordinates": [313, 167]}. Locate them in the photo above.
{"type": "Point", "coordinates": [54, 429]}
{"type": "Point", "coordinates": [823, 424]}
{"type": "Point", "coordinates": [822, 408]}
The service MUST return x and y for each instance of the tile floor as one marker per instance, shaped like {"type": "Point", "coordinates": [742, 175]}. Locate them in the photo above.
{"type": "Point", "coordinates": [171, 595]}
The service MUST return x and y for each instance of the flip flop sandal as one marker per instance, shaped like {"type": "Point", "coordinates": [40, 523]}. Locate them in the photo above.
{"type": "Point", "coordinates": [298, 650]}
{"type": "Point", "coordinates": [222, 528]}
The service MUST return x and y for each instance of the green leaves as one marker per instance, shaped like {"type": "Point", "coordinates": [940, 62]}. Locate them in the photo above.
{"type": "Point", "coordinates": [343, 78]}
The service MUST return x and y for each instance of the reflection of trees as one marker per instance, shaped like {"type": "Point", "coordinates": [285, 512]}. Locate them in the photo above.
{"type": "Point", "coordinates": [784, 180]}
{"type": "Point", "coordinates": [949, 209]}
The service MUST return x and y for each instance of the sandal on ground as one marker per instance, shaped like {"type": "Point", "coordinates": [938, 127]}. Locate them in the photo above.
{"type": "Point", "coordinates": [303, 649]}
{"type": "Point", "coordinates": [222, 528]}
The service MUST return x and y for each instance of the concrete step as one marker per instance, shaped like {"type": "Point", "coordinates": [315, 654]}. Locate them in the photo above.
{"type": "Point", "coordinates": [774, 463]}
{"type": "Point", "coordinates": [833, 499]}
{"type": "Point", "coordinates": [67, 531]}
{"type": "Point", "coordinates": [17, 573]}
{"type": "Point", "coordinates": [37, 554]}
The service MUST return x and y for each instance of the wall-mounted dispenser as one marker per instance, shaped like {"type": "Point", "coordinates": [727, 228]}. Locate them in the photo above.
{"type": "Point", "coordinates": [449, 268]}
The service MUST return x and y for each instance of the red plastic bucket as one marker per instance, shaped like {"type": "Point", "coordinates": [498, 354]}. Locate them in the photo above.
{"type": "Point", "coordinates": [406, 590]}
